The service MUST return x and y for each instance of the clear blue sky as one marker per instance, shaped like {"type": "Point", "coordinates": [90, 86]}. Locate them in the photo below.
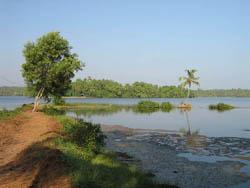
{"type": "Point", "coordinates": [130, 40]}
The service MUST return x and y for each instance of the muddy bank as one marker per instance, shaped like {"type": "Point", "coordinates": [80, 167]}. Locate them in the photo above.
{"type": "Point", "coordinates": [162, 154]}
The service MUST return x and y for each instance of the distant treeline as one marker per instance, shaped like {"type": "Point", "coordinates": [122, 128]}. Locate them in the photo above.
{"type": "Point", "coordinates": [108, 88]}
{"type": "Point", "coordinates": [223, 93]}
{"type": "Point", "coordinates": [12, 91]}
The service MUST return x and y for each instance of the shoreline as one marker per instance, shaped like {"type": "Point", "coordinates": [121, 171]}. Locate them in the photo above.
{"type": "Point", "coordinates": [193, 162]}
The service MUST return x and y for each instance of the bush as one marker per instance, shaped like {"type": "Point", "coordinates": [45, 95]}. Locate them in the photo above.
{"type": "Point", "coordinates": [221, 107]}
{"type": "Point", "coordinates": [148, 105]}
{"type": "Point", "coordinates": [87, 135]}
{"type": "Point", "coordinates": [58, 100]}
{"type": "Point", "coordinates": [166, 106]}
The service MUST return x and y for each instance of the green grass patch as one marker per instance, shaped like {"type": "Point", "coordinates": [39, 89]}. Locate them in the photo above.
{"type": "Point", "coordinates": [101, 170]}
{"type": "Point", "coordinates": [221, 107]}
{"type": "Point", "coordinates": [90, 164]}
{"type": "Point", "coordinates": [4, 114]}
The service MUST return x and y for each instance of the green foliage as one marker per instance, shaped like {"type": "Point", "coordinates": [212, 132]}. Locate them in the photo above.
{"type": "Point", "coordinates": [164, 92]}
{"type": "Point", "coordinates": [221, 107]}
{"type": "Point", "coordinates": [107, 88]}
{"type": "Point", "coordinates": [11, 113]}
{"type": "Point", "coordinates": [84, 134]}
{"type": "Point", "coordinates": [58, 100]}
{"type": "Point", "coordinates": [49, 65]}
{"type": "Point", "coordinates": [189, 80]}
{"type": "Point", "coordinates": [87, 135]}
{"type": "Point", "coordinates": [222, 93]}
{"type": "Point", "coordinates": [88, 168]}
{"type": "Point", "coordinates": [101, 170]}
{"type": "Point", "coordinates": [148, 105]}
{"type": "Point", "coordinates": [166, 106]}
{"type": "Point", "coordinates": [141, 90]}
{"type": "Point", "coordinates": [96, 88]}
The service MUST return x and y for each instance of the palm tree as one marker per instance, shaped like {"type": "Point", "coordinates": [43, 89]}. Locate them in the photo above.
{"type": "Point", "coordinates": [187, 81]}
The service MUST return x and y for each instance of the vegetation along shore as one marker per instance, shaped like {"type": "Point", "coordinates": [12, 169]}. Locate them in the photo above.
{"type": "Point", "coordinates": [72, 153]}
{"type": "Point", "coordinates": [102, 90]}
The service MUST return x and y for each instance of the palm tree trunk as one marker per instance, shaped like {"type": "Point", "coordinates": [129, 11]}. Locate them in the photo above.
{"type": "Point", "coordinates": [188, 92]}
{"type": "Point", "coordinates": [188, 122]}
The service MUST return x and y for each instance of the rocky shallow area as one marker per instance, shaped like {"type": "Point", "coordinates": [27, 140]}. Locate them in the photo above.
{"type": "Point", "coordinates": [186, 159]}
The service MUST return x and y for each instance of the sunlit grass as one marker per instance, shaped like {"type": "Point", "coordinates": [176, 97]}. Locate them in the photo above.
{"type": "Point", "coordinates": [100, 169]}
{"type": "Point", "coordinates": [4, 114]}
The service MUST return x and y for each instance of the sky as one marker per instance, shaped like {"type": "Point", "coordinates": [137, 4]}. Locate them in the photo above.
{"type": "Point", "coordinates": [136, 40]}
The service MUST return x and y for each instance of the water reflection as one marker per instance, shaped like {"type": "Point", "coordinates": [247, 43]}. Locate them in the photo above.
{"type": "Point", "coordinates": [210, 123]}
{"type": "Point", "coordinates": [150, 110]}
{"type": "Point", "coordinates": [185, 112]}
{"type": "Point", "coordinates": [88, 112]}
{"type": "Point", "coordinates": [99, 112]}
{"type": "Point", "coordinates": [193, 138]}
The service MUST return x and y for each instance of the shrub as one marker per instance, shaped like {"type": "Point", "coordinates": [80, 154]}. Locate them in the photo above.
{"type": "Point", "coordinates": [57, 100]}
{"type": "Point", "coordinates": [221, 107]}
{"type": "Point", "coordinates": [148, 105]}
{"type": "Point", "coordinates": [166, 106]}
{"type": "Point", "coordinates": [87, 135]}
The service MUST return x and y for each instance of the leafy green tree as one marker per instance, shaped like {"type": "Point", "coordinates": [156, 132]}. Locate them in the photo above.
{"type": "Point", "coordinates": [189, 80]}
{"type": "Point", "coordinates": [49, 67]}
{"type": "Point", "coordinates": [108, 88]}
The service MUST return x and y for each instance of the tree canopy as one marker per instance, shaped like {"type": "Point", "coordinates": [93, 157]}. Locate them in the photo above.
{"type": "Point", "coordinates": [49, 66]}
{"type": "Point", "coordinates": [108, 88]}
{"type": "Point", "coordinates": [189, 80]}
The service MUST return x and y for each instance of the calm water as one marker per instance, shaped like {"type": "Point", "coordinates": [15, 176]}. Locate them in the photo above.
{"type": "Point", "coordinates": [234, 123]}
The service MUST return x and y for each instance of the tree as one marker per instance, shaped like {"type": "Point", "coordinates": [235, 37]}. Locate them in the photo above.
{"type": "Point", "coordinates": [187, 81]}
{"type": "Point", "coordinates": [49, 67]}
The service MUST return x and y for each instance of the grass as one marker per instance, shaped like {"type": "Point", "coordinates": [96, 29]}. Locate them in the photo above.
{"type": "Point", "coordinates": [99, 170]}
{"type": "Point", "coordinates": [5, 114]}
{"type": "Point", "coordinates": [221, 107]}
{"type": "Point", "coordinates": [96, 168]}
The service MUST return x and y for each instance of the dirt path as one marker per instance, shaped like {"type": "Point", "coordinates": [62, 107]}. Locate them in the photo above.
{"type": "Point", "coordinates": [24, 161]}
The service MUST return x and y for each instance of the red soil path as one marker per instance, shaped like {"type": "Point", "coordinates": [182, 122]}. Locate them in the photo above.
{"type": "Point", "coordinates": [24, 160]}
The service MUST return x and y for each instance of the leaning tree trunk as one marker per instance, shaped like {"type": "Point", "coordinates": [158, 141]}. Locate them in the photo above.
{"type": "Point", "coordinates": [37, 99]}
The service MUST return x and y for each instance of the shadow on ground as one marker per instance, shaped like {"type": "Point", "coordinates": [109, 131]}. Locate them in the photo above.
{"type": "Point", "coordinates": [36, 166]}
